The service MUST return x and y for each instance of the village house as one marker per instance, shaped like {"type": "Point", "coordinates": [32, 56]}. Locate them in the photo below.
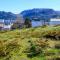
{"type": "Point", "coordinates": [54, 21]}
{"type": "Point", "coordinates": [6, 24]}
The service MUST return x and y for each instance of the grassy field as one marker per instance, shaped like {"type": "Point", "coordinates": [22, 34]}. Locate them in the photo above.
{"type": "Point", "coordinates": [40, 43]}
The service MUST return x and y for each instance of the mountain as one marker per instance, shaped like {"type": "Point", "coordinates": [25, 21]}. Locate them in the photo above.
{"type": "Point", "coordinates": [40, 14]}
{"type": "Point", "coordinates": [7, 15]}
{"type": "Point", "coordinates": [33, 14]}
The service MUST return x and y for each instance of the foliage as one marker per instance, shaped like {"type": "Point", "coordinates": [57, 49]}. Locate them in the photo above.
{"type": "Point", "coordinates": [27, 23]}
{"type": "Point", "coordinates": [7, 15]}
{"type": "Point", "coordinates": [33, 50]}
{"type": "Point", "coordinates": [30, 44]}
{"type": "Point", "coordinates": [40, 14]}
{"type": "Point", "coordinates": [16, 25]}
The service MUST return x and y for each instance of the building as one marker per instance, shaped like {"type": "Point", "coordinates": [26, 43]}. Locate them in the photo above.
{"type": "Point", "coordinates": [55, 21]}
{"type": "Point", "coordinates": [6, 24]}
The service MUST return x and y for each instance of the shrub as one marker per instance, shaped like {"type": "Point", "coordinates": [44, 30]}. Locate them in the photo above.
{"type": "Point", "coordinates": [50, 52]}
{"type": "Point", "coordinates": [33, 50]}
{"type": "Point", "coordinates": [53, 58]}
{"type": "Point", "coordinates": [7, 47]}
{"type": "Point", "coordinates": [42, 43]}
{"type": "Point", "coordinates": [12, 45]}
{"type": "Point", "coordinates": [57, 46]}
{"type": "Point", "coordinates": [2, 48]}
{"type": "Point", "coordinates": [36, 48]}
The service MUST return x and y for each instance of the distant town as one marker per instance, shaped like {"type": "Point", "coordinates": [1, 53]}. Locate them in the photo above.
{"type": "Point", "coordinates": [38, 17]}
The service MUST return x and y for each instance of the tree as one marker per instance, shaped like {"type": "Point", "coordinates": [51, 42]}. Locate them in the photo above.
{"type": "Point", "coordinates": [27, 23]}
{"type": "Point", "coordinates": [19, 23]}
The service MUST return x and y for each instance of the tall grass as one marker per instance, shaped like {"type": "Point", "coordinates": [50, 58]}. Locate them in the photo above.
{"type": "Point", "coordinates": [38, 43]}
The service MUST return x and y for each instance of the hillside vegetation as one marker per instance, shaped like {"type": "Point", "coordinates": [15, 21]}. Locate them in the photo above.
{"type": "Point", "coordinates": [7, 15]}
{"type": "Point", "coordinates": [40, 43]}
{"type": "Point", "coordinates": [40, 14]}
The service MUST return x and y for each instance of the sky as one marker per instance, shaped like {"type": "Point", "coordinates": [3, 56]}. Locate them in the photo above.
{"type": "Point", "coordinates": [16, 6]}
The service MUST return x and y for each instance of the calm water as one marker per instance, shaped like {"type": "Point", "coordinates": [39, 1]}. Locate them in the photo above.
{"type": "Point", "coordinates": [36, 23]}
{"type": "Point", "coordinates": [40, 23]}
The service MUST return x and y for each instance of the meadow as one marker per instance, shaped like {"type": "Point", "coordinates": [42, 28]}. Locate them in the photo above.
{"type": "Point", "coordinates": [40, 43]}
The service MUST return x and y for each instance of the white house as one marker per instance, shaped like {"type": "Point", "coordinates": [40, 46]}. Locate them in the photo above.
{"type": "Point", "coordinates": [5, 24]}
{"type": "Point", "coordinates": [55, 21]}
{"type": "Point", "coordinates": [7, 27]}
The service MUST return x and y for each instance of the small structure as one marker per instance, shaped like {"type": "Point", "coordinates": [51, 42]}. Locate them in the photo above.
{"type": "Point", "coordinates": [54, 21]}
{"type": "Point", "coordinates": [5, 24]}
{"type": "Point", "coordinates": [7, 27]}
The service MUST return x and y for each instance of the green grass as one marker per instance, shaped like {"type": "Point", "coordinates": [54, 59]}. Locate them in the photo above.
{"type": "Point", "coordinates": [27, 44]}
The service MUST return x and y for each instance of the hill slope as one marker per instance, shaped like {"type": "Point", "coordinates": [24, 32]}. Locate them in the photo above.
{"type": "Point", "coordinates": [40, 14]}
{"type": "Point", "coordinates": [7, 15]}
{"type": "Point", "coordinates": [41, 43]}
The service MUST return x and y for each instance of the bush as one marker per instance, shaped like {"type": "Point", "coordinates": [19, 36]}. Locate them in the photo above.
{"type": "Point", "coordinates": [53, 58]}
{"type": "Point", "coordinates": [12, 45]}
{"type": "Point", "coordinates": [36, 48]}
{"type": "Point", "coordinates": [42, 43]}
{"type": "Point", "coordinates": [7, 47]}
{"type": "Point", "coordinates": [33, 50]}
{"type": "Point", "coordinates": [57, 46]}
{"type": "Point", "coordinates": [52, 35]}
{"type": "Point", "coordinates": [2, 48]}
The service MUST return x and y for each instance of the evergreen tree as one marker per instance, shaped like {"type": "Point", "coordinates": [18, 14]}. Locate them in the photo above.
{"type": "Point", "coordinates": [27, 23]}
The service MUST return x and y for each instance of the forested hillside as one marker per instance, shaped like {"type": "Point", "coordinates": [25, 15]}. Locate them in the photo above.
{"type": "Point", "coordinates": [7, 15]}
{"type": "Point", "coordinates": [41, 14]}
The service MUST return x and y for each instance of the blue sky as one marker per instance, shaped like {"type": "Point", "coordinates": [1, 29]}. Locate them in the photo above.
{"type": "Point", "coordinates": [16, 6]}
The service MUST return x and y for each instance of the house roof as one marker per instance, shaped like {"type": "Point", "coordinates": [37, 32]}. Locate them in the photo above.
{"type": "Point", "coordinates": [54, 19]}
